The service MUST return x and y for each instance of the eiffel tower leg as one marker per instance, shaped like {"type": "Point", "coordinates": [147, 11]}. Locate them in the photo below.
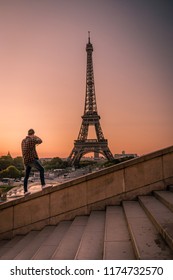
{"type": "Point", "coordinates": [75, 156]}
{"type": "Point", "coordinates": [108, 154]}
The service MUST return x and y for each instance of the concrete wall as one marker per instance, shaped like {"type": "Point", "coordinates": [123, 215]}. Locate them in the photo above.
{"type": "Point", "coordinates": [94, 191]}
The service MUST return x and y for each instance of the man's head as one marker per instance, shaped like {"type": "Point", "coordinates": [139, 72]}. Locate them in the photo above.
{"type": "Point", "coordinates": [31, 132]}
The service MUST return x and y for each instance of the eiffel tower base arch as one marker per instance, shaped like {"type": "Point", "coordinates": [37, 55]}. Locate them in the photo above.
{"type": "Point", "coordinates": [84, 147]}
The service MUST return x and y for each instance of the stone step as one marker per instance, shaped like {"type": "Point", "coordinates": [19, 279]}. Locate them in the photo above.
{"type": "Point", "coordinates": [49, 246]}
{"type": "Point", "coordinates": [19, 246]}
{"type": "Point", "coordinates": [10, 244]}
{"type": "Point", "coordinates": [117, 242]}
{"type": "Point", "coordinates": [91, 245]}
{"type": "Point", "coordinates": [126, 232]}
{"type": "Point", "coordinates": [148, 243]}
{"type": "Point", "coordinates": [69, 244]}
{"type": "Point", "coordinates": [160, 215]}
{"type": "Point", "coordinates": [166, 197]}
{"type": "Point", "coordinates": [28, 252]}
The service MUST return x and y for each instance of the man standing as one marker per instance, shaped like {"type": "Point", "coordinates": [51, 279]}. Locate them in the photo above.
{"type": "Point", "coordinates": [30, 158]}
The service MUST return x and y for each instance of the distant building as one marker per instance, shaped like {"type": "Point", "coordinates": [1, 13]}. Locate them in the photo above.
{"type": "Point", "coordinates": [48, 175]}
{"type": "Point", "coordinates": [124, 155]}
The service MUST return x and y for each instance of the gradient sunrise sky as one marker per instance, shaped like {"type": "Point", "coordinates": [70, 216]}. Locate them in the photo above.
{"type": "Point", "coordinates": [43, 72]}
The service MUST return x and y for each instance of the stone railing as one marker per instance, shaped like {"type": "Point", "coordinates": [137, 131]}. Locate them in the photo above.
{"type": "Point", "coordinates": [91, 192]}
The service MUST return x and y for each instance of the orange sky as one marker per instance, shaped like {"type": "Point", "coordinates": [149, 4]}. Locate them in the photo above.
{"type": "Point", "coordinates": [43, 72]}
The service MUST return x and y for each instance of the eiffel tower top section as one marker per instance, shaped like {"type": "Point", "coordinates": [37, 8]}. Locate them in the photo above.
{"type": "Point", "coordinates": [90, 97]}
{"type": "Point", "coordinates": [89, 46]}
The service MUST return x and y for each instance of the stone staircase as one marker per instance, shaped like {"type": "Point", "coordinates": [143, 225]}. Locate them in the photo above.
{"type": "Point", "coordinates": [140, 229]}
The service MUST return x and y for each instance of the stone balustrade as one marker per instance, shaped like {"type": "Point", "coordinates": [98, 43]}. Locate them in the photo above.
{"type": "Point", "coordinates": [91, 192]}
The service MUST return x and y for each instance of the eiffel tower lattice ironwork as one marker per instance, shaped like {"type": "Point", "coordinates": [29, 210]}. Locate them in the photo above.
{"type": "Point", "coordinates": [90, 117]}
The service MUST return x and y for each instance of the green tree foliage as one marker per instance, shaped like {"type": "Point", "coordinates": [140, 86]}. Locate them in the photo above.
{"type": "Point", "coordinates": [85, 163]}
{"type": "Point", "coordinates": [10, 172]}
{"type": "Point", "coordinates": [55, 163]}
{"type": "Point", "coordinates": [6, 161]}
{"type": "Point", "coordinates": [18, 163]}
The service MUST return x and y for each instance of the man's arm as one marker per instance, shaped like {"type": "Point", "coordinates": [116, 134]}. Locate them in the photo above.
{"type": "Point", "coordinates": [37, 140]}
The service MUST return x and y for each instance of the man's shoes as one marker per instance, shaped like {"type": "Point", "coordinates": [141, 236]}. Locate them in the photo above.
{"type": "Point", "coordinates": [26, 193]}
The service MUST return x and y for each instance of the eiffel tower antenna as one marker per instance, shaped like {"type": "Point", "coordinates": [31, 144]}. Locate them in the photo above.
{"type": "Point", "coordinates": [90, 117]}
{"type": "Point", "coordinates": [89, 37]}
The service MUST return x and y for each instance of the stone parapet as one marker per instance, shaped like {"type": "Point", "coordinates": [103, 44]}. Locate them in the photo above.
{"type": "Point", "coordinates": [90, 192]}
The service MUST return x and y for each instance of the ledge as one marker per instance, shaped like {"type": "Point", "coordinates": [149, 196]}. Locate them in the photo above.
{"type": "Point", "coordinates": [88, 177]}
{"type": "Point", "coordinates": [145, 173]}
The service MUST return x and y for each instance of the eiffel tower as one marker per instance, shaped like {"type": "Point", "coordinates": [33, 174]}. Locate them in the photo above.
{"type": "Point", "coordinates": [90, 117]}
